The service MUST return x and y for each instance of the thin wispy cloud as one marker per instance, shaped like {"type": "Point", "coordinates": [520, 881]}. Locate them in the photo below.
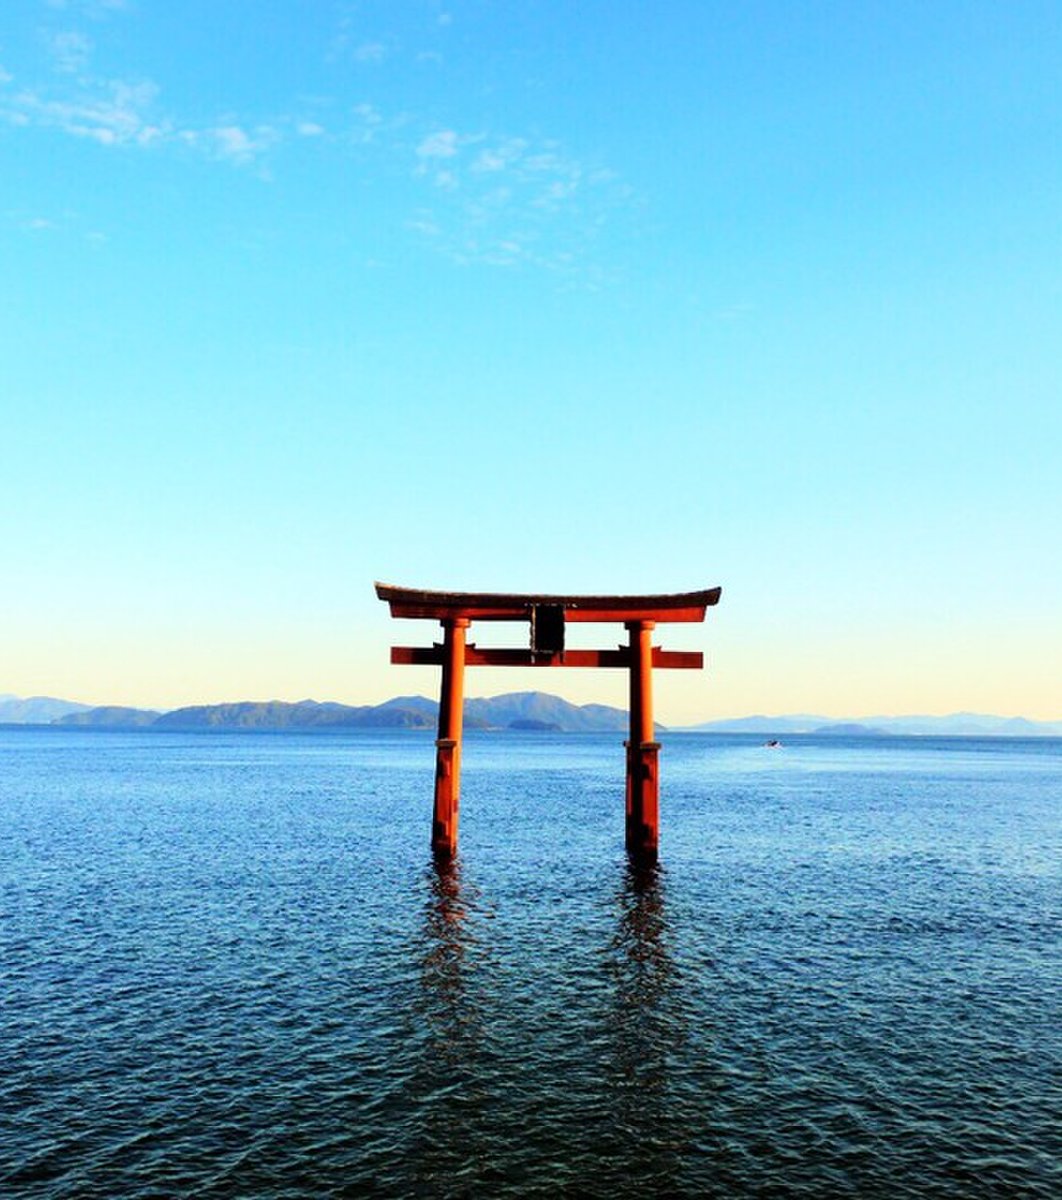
{"type": "Point", "coordinates": [443, 144]}
{"type": "Point", "coordinates": [500, 156]}
{"type": "Point", "coordinates": [67, 222]}
{"type": "Point", "coordinates": [511, 201]}
{"type": "Point", "coordinates": [435, 154]}
{"type": "Point", "coordinates": [70, 98]}
{"type": "Point", "coordinates": [110, 112]}
{"type": "Point", "coordinates": [70, 51]}
{"type": "Point", "coordinates": [93, 9]}
{"type": "Point", "coordinates": [369, 52]}
{"type": "Point", "coordinates": [352, 42]}
{"type": "Point", "coordinates": [119, 112]}
{"type": "Point", "coordinates": [123, 114]}
{"type": "Point", "coordinates": [233, 142]}
{"type": "Point", "coordinates": [474, 196]}
{"type": "Point", "coordinates": [368, 124]}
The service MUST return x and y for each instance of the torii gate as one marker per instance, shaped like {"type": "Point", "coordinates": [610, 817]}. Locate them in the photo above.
{"type": "Point", "coordinates": [547, 616]}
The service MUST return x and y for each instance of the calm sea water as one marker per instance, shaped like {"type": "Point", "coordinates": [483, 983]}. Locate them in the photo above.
{"type": "Point", "coordinates": [228, 968]}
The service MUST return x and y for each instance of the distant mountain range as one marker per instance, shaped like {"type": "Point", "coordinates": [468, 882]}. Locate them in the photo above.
{"type": "Point", "coordinates": [953, 725]}
{"type": "Point", "coordinates": [36, 710]}
{"type": "Point", "coordinates": [531, 711]}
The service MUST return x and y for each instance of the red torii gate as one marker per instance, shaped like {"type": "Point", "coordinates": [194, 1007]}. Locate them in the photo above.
{"type": "Point", "coordinates": [547, 616]}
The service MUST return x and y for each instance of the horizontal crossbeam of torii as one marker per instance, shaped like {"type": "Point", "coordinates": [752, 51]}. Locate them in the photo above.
{"type": "Point", "coordinates": [547, 616]}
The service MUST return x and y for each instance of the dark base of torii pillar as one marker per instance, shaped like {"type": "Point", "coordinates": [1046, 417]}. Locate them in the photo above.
{"type": "Point", "coordinates": [643, 776]}
{"type": "Point", "coordinates": [643, 801]}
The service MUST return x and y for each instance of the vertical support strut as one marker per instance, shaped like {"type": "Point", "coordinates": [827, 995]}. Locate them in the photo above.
{"type": "Point", "coordinates": [448, 743]}
{"type": "Point", "coordinates": [643, 784]}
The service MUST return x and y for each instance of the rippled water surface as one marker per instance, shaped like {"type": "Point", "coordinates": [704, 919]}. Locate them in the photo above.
{"type": "Point", "coordinates": [228, 968]}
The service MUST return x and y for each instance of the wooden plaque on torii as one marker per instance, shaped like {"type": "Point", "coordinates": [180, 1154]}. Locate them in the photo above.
{"type": "Point", "coordinates": [547, 617]}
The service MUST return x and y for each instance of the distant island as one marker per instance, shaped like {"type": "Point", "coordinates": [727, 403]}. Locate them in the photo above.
{"type": "Point", "coordinates": [531, 712]}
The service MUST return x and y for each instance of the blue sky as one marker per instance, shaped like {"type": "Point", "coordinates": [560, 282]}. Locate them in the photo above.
{"type": "Point", "coordinates": [550, 297]}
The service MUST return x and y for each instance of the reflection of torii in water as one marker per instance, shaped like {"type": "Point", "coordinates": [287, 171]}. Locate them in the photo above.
{"type": "Point", "coordinates": [547, 616]}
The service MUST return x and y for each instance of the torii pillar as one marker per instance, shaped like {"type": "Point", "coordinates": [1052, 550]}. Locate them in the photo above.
{"type": "Point", "coordinates": [643, 776]}
{"type": "Point", "coordinates": [547, 617]}
{"type": "Point", "coordinates": [448, 743]}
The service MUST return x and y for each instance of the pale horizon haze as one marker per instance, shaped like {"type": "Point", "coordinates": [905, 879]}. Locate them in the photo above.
{"type": "Point", "coordinates": [607, 297]}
